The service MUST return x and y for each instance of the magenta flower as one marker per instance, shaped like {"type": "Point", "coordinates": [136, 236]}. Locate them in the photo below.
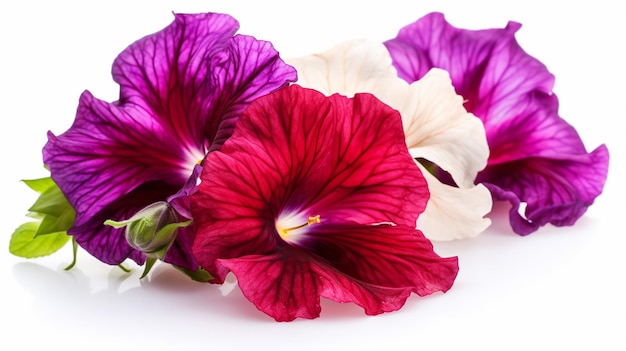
{"type": "Point", "coordinates": [181, 92]}
{"type": "Point", "coordinates": [313, 197]}
{"type": "Point", "coordinates": [536, 157]}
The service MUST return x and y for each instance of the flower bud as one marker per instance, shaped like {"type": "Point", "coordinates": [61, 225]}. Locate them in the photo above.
{"type": "Point", "coordinates": [153, 229]}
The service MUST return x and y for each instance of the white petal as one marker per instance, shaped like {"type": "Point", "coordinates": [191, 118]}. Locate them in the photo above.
{"type": "Point", "coordinates": [439, 129]}
{"type": "Point", "coordinates": [351, 67]}
{"type": "Point", "coordinates": [454, 213]}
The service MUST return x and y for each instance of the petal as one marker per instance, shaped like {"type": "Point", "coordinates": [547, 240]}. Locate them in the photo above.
{"type": "Point", "coordinates": [454, 213]}
{"type": "Point", "coordinates": [167, 78]}
{"type": "Point", "coordinates": [181, 91]}
{"type": "Point", "coordinates": [194, 78]}
{"type": "Point", "coordinates": [106, 154]}
{"type": "Point", "coordinates": [539, 128]}
{"type": "Point", "coordinates": [383, 255]}
{"type": "Point", "coordinates": [556, 191]}
{"type": "Point", "coordinates": [349, 68]}
{"type": "Point", "coordinates": [181, 253]}
{"type": "Point", "coordinates": [297, 151]}
{"type": "Point", "coordinates": [534, 153]}
{"type": "Point", "coordinates": [439, 129]}
{"type": "Point", "coordinates": [376, 267]}
{"type": "Point", "coordinates": [478, 61]}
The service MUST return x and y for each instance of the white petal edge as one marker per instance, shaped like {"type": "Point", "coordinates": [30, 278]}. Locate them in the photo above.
{"type": "Point", "coordinates": [454, 213]}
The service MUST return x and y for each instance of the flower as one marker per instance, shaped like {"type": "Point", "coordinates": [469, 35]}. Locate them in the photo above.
{"type": "Point", "coordinates": [181, 92]}
{"type": "Point", "coordinates": [536, 157]}
{"type": "Point", "coordinates": [437, 127]}
{"type": "Point", "coordinates": [317, 196]}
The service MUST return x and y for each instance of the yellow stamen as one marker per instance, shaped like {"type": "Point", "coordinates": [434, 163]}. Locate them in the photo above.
{"type": "Point", "coordinates": [312, 220]}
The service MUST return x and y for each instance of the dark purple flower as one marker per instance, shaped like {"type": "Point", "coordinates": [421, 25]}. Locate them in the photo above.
{"type": "Point", "coordinates": [536, 157]}
{"type": "Point", "coordinates": [181, 92]}
{"type": "Point", "coordinates": [317, 196]}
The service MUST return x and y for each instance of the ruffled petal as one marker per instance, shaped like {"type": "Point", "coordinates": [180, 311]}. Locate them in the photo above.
{"type": "Point", "coordinates": [440, 130]}
{"type": "Point", "coordinates": [169, 76]}
{"type": "Point", "coordinates": [556, 191]}
{"type": "Point", "coordinates": [511, 93]}
{"type": "Point", "coordinates": [181, 91]}
{"type": "Point", "coordinates": [195, 77]}
{"type": "Point", "coordinates": [376, 267]}
{"type": "Point", "coordinates": [478, 61]}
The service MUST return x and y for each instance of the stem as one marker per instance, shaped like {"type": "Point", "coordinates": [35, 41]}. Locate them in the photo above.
{"type": "Point", "coordinates": [74, 250]}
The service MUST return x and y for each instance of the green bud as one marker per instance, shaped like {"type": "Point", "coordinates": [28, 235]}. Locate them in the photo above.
{"type": "Point", "coordinates": [152, 230]}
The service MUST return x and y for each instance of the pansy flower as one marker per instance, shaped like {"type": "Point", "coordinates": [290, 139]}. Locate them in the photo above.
{"type": "Point", "coordinates": [440, 134]}
{"type": "Point", "coordinates": [317, 196]}
{"type": "Point", "coordinates": [181, 92]}
{"type": "Point", "coordinates": [536, 157]}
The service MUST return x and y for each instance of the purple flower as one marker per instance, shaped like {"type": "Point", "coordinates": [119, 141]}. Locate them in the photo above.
{"type": "Point", "coordinates": [181, 92]}
{"type": "Point", "coordinates": [536, 157]}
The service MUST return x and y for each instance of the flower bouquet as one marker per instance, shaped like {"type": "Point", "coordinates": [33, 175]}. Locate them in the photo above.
{"type": "Point", "coordinates": [328, 175]}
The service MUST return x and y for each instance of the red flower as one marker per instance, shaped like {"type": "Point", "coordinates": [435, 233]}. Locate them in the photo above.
{"type": "Point", "coordinates": [317, 196]}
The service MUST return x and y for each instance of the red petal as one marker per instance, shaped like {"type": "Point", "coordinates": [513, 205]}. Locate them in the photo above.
{"type": "Point", "coordinates": [375, 267]}
{"type": "Point", "coordinates": [383, 255]}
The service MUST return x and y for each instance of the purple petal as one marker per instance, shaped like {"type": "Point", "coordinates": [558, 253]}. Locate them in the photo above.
{"type": "Point", "coordinates": [557, 191]}
{"type": "Point", "coordinates": [535, 156]}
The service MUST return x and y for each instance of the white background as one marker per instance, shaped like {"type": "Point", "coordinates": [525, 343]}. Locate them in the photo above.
{"type": "Point", "coordinates": [558, 288]}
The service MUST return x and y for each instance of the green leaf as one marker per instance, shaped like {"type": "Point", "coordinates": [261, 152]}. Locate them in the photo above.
{"type": "Point", "coordinates": [51, 224]}
{"type": "Point", "coordinates": [39, 185]}
{"type": "Point", "coordinates": [25, 244]}
{"type": "Point", "coordinates": [199, 275]}
{"type": "Point", "coordinates": [150, 261]}
{"type": "Point", "coordinates": [51, 202]}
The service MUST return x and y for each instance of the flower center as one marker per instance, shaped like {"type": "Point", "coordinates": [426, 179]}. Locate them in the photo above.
{"type": "Point", "coordinates": [284, 232]}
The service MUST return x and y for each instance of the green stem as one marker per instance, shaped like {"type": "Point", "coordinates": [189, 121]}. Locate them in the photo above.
{"type": "Point", "coordinates": [74, 250]}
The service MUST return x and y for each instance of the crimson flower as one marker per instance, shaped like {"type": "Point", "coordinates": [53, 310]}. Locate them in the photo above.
{"type": "Point", "coordinates": [536, 157]}
{"type": "Point", "coordinates": [317, 196]}
{"type": "Point", "coordinates": [181, 92]}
